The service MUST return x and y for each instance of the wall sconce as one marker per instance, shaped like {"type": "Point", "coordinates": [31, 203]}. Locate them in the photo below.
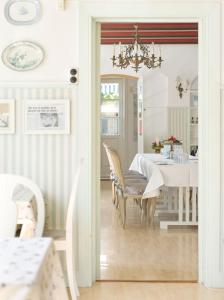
{"type": "Point", "coordinates": [182, 86]}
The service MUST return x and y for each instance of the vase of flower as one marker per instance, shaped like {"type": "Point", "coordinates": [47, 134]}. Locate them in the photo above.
{"type": "Point", "coordinates": [157, 146]}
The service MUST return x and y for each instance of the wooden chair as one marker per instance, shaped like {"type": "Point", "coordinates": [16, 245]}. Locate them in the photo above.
{"type": "Point", "coordinates": [128, 190]}
{"type": "Point", "coordinates": [132, 176]}
{"type": "Point", "coordinates": [8, 208]}
{"type": "Point", "coordinates": [66, 243]}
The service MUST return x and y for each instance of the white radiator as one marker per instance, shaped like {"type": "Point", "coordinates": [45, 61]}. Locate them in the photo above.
{"type": "Point", "coordinates": [178, 125]}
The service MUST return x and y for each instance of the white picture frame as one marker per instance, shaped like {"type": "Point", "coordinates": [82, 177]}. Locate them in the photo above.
{"type": "Point", "coordinates": [44, 116]}
{"type": "Point", "coordinates": [7, 116]}
{"type": "Point", "coordinates": [23, 12]}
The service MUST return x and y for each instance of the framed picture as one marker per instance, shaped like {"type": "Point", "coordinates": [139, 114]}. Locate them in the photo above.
{"type": "Point", "coordinates": [23, 12]}
{"type": "Point", "coordinates": [7, 116]}
{"type": "Point", "coordinates": [47, 116]}
{"type": "Point", "coordinates": [22, 56]}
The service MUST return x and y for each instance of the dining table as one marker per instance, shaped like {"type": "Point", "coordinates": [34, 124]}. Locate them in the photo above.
{"type": "Point", "coordinates": [30, 269]}
{"type": "Point", "coordinates": [161, 172]}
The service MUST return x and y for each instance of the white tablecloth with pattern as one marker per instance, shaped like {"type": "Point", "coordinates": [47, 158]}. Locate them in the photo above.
{"type": "Point", "coordinates": [30, 270]}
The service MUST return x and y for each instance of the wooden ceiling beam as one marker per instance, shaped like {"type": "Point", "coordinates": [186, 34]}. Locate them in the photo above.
{"type": "Point", "coordinates": [146, 34]}
{"type": "Point", "coordinates": [149, 41]}
{"type": "Point", "coordinates": [149, 26]}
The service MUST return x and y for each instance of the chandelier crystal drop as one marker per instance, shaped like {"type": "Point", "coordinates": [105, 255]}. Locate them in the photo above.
{"type": "Point", "coordinates": [137, 55]}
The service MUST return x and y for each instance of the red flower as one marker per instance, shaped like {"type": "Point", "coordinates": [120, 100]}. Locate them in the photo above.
{"type": "Point", "coordinates": [172, 138]}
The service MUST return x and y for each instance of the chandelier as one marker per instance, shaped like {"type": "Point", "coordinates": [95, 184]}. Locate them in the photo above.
{"type": "Point", "coordinates": [137, 55]}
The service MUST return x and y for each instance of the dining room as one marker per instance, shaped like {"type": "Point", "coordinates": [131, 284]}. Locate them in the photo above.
{"type": "Point", "coordinates": [155, 220]}
{"type": "Point", "coordinates": [149, 152]}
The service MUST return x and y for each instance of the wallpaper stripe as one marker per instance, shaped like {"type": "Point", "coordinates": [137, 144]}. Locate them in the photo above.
{"type": "Point", "coordinates": [49, 160]}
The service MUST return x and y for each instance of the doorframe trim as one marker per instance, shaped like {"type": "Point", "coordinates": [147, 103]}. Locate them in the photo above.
{"type": "Point", "coordinates": [207, 14]}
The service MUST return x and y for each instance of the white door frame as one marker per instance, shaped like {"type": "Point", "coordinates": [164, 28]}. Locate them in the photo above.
{"type": "Point", "coordinates": [207, 14]}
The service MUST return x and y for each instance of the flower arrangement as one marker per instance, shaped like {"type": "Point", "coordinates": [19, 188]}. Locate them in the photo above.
{"type": "Point", "coordinates": [157, 145]}
{"type": "Point", "coordinates": [172, 140]}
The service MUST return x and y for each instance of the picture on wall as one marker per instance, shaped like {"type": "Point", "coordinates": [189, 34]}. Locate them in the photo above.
{"type": "Point", "coordinates": [7, 116]}
{"type": "Point", "coordinates": [47, 116]}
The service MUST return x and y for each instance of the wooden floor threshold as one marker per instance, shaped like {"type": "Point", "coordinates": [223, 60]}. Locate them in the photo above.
{"type": "Point", "coordinates": [147, 281]}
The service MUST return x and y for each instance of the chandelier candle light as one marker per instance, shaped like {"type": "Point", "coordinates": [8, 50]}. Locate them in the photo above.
{"type": "Point", "coordinates": [136, 55]}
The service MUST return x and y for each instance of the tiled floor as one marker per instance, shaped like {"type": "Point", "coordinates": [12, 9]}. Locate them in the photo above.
{"type": "Point", "coordinates": [141, 253]}
{"type": "Point", "coordinates": [150, 291]}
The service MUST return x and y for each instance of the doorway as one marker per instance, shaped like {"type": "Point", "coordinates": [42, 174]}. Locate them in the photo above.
{"type": "Point", "coordinates": [208, 16]}
{"type": "Point", "coordinates": [137, 252]}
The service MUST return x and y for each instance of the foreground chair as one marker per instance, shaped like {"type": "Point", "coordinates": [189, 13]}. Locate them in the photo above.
{"type": "Point", "coordinates": [133, 189]}
{"type": "Point", "coordinates": [66, 243]}
{"type": "Point", "coordinates": [8, 208]}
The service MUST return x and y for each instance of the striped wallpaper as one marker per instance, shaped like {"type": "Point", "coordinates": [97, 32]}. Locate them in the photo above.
{"type": "Point", "coordinates": [47, 159]}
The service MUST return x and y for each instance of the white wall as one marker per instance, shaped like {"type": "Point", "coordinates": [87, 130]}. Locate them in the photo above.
{"type": "Point", "coordinates": [155, 115]}
{"type": "Point", "coordinates": [55, 32]}
{"type": "Point", "coordinates": [48, 160]}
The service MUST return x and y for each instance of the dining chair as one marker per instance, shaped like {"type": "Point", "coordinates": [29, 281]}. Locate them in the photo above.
{"type": "Point", "coordinates": [66, 242]}
{"type": "Point", "coordinates": [8, 208]}
{"type": "Point", "coordinates": [133, 189]}
{"type": "Point", "coordinates": [131, 176]}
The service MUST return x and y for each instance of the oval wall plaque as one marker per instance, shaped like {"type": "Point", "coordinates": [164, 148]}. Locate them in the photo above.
{"type": "Point", "coordinates": [22, 56]}
{"type": "Point", "coordinates": [23, 12]}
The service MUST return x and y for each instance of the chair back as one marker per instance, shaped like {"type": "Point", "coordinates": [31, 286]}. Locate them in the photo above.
{"type": "Point", "coordinates": [8, 209]}
{"type": "Point", "coordinates": [107, 147]}
{"type": "Point", "coordinates": [117, 169]}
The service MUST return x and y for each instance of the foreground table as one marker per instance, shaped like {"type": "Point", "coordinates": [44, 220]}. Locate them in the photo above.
{"type": "Point", "coordinates": [165, 172]}
{"type": "Point", "coordinates": [30, 270]}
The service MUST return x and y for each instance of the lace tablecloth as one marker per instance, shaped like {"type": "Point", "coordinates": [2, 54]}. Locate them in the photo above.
{"type": "Point", "coordinates": [30, 270]}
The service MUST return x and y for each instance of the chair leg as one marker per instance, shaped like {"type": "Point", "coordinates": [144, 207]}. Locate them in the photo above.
{"type": "Point", "coordinates": [113, 193]}
{"type": "Point", "coordinates": [124, 211]}
{"type": "Point", "coordinates": [71, 276]}
{"type": "Point", "coordinates": [152, 208]}
{"type": "Point", "coordinates": [144, 208]}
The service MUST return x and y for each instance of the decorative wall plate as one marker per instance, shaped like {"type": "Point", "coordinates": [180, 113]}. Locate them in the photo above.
{"type": "Point", "coordinates": [22, 56]}
{"type": "Point", "coordinates": [23, 12]}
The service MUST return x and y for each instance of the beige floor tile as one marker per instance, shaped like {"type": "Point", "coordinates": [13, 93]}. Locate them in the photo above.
{"type": "Point", "coordinates": [150, 291]}
{"type": "Point", "coordinates": [141, 253]}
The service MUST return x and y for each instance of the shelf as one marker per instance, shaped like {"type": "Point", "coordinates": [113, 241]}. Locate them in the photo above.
{"type": "Point", "coordinates": [194, 124]}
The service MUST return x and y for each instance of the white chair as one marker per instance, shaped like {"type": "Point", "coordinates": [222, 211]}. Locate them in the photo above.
{"type": "Point", "coordinates": [66, 243]}
{"type": "Point", "coordinates": [8, 208]}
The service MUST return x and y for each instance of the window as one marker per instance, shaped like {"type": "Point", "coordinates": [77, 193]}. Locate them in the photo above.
{"type": "Point", "coordinates": [110, 112]}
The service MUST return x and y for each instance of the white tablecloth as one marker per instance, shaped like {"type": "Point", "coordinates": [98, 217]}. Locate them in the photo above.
{"type": "Point", "coordinates": [30, 270]}
{"type": "Point", "coordinates": [160, 171]}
